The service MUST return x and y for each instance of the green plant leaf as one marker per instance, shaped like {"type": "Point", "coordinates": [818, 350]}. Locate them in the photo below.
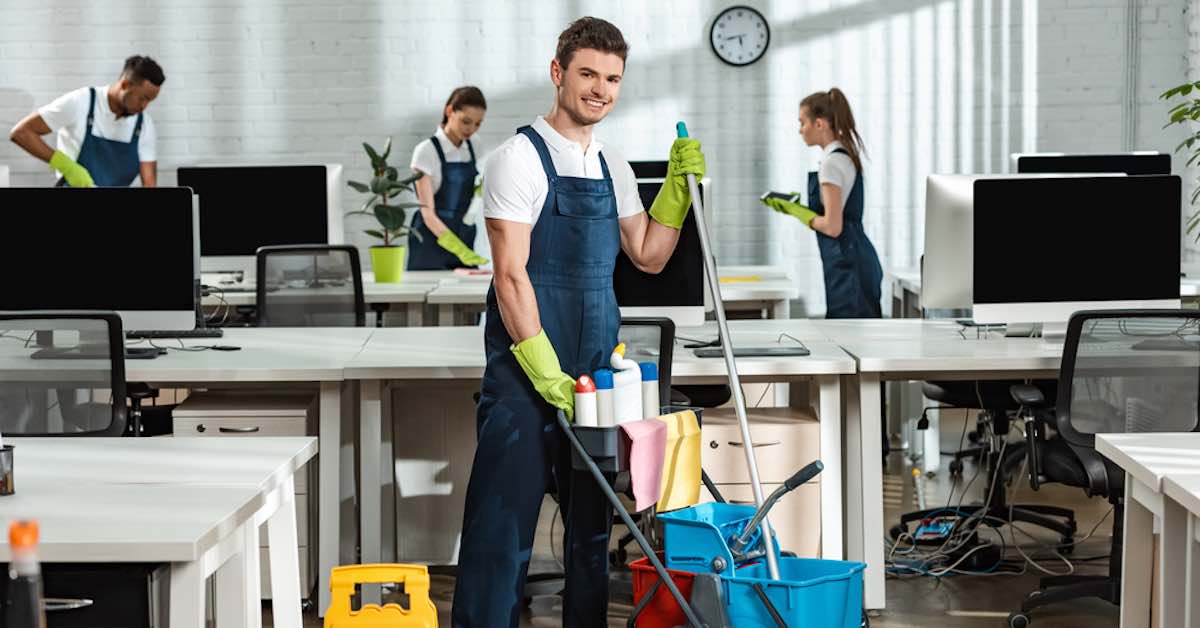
{"type": "Point", "coordinates": [1195, 156]}
{"type": "Point", "coordinates": [375, 233]}
{"type": "Point", "coordinates": [409, 180]}
{"type": "Point", "coordinates": [415, 233]}
{"type": "Point", "coordinates": [381, 185]}
{"type": "Point", "coordinates": [360, 212]}
{"type": "Point", "coordinates": [391, 218]}
{"type": "Point", "coordinates": [377, 162]}
{"type": "Point", "coordinates": [387, 148]}
{"type": "Point", "coordinates": [396, 187]}
{"type": "Point", "coordinates": [361, 187]}
{"type": "Point", "coordinates": [367, 205]}
{"type": "Point", "coordinates": [407, 204]}
{"type": "Point", "coordinates": [392, 173]}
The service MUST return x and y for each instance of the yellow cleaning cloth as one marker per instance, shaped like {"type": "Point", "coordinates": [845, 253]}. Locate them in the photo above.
{"type": "Point", "coordinates": [741, 279]}
{"type": "Point", "coordinates": [681, 464]}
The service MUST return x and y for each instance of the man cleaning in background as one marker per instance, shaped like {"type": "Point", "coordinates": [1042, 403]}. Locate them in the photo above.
{"type": "Point", "coordinates": [558, 206]}
{"type": "Point", "coordinates": [104, 135]}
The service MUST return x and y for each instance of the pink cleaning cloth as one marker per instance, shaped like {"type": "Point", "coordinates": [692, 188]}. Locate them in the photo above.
{"type": "Point", "coordinates": [647, 448]}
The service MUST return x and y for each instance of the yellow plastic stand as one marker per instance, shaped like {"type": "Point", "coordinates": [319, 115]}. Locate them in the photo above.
{"type": "Point", "coordinates": [421, 613]}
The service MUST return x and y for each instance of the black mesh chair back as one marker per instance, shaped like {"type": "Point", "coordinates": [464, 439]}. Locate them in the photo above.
{"type": "Point", "coordinates": [62, 374]}
{"type": "Point", "coordinates": [1129, 371]}
{"type": "Point", "coordinates": [310, 286]}
{"type": "Point", "coordinates": [651, 339]}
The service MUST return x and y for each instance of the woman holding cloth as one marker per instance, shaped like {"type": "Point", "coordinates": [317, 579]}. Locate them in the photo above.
{"type": "Point", "coordinates": [440, 239]}
{"type": "Point", "coordinates": [853, 275]}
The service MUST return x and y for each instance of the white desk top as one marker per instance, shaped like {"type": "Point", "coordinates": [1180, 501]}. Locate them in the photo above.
{"type": "Point", "coordinates": [267, 354]}
{"type": "Point", "coordinates": [260, 463]}
{"type": "Point", "coordinates": [910, 279]}
{"type": "Point", "coordinates": [406, 291]}
{"type": "Point", "coordinates": [955, 357]}
{"type": "Point", "coordinates": [143, 499]}
{"type": "Point", "coordinates": [457, 353]}
{"type": "Point", "coordinates": [1184, 489]}
{"type": "Point", "coordinates": [1151, 457]}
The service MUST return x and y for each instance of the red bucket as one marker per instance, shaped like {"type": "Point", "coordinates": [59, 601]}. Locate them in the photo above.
{"type": "Point", "coordinates": [662, 611]}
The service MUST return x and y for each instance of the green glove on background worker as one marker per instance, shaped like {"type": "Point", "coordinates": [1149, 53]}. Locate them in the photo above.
{"type": "Point", "coordinates": [671, 205]}
{"type": "Point", "coordinates": [539, 361]}
{"type": "Point", "coordinates": [76, 175]}
{"type": "Point", "coordinates": [797, 210]}
{"type": "Point", "coordinates": [452, 243]}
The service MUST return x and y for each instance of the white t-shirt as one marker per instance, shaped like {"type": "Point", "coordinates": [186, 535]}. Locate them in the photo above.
{"type": "Point", "coordinates": [425, 158]}
{"type": "Point", "coordinates": [67, 118]}
{"type": "Point", "coordinates": [837, 169]}
{"type": "Point", "coordinates": [515, 185]}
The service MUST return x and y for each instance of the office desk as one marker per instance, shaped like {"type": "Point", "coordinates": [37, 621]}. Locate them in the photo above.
{"type": "Point", "coordinates": [908, 349]}
{"type": "Point", "coordinates": [1147, 460]}
{"type": "Point", "coordinates": [408, 295]}
{"type": "Point", "coordinates": [434, 373]}
{"type": "Point", "coordinates": [281, 357]}
{"type": "Point", "coordinates": [1185, 491]}
{"type": "Point", "coordinates": [196, 504]}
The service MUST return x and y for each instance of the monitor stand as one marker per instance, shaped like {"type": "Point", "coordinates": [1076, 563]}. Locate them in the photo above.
{"type": "Point", "coordinates": [1054, 333]}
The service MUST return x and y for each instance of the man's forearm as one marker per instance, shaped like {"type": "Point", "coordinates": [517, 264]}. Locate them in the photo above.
{"type": "Point", "coordinates": [518, 304]}
{"type": "Point", "coordinates": [31, 142]}
{"type": "Point", "coordinates": [648, 243]}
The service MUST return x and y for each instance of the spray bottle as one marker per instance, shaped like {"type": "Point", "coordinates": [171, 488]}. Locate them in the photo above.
{"type": "Point", "coordinates": [627, 387]}
{"type": "Point", "coordinates": [24, 607]}
{"type": "Point", "coordinates": [585, 402]}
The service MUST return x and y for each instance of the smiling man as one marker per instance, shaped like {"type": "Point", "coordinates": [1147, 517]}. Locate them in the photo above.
{"type": "Point", "coordinates": [558, 207]}
{"type": "Point", "coordinates": [105, 137]}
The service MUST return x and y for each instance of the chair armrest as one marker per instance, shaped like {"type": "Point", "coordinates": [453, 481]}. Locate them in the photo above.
{"type": "Point", "coordinates": [1028, 395]}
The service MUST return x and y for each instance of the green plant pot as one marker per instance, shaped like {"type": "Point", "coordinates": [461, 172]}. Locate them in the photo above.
{"type": "Point", "coordinates": [388, 263]}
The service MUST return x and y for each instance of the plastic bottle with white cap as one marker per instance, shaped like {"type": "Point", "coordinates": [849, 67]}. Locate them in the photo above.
{"type": "Point", "coordinates": [627, 387]}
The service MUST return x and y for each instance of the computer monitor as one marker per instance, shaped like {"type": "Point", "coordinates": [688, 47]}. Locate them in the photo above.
{"type": "Point", "coordinates": [133, 250]}
{"type": "Point", "coordinates": [1134, 163]}
{"type": "Point", "coordinates": [949, 253]}
{"type": "Point", "coordinates": [1075, 243]}
{"type": "Point", "coordinates": [678, 292]}
{"type": "Point", "coordinates": [245, 207]}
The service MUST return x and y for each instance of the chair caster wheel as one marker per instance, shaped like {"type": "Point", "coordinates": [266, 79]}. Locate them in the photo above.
{"type": "Point", "coordinates": [866, 621]}
{"type": "Point", "coordinates": [1066, 545]}
{"type": "Point", "coordinates": [1019, 620]}
{"type": "Point", "coordinates": [618, 557]}
{"type": "Point", "coordinates": [956, 468]}
{"type": "Point", "coordinates": [306, 605]}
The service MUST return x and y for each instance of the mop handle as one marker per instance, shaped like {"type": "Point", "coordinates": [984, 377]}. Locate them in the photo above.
{"type": "Point", "coordinates": [735, 383]}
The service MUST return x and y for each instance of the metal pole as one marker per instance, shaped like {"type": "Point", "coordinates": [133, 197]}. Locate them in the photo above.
{"type": "Point", "coordinates": [735, 383]}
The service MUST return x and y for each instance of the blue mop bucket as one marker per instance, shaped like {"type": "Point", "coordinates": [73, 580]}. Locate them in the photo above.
{"type": "Point", "coordinates": [697, 536]}
{"type": "Point", "coordinates": [811, 592]}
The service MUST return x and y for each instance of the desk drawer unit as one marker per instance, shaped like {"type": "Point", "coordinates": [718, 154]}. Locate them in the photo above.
{"type": "Point", "coordinates": [785, 440]}
{"type": "Point", "coordinates": [217, 414]}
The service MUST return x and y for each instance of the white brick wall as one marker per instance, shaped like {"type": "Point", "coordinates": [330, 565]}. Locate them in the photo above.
{"type": "Point", "coordinates": [949, 85]}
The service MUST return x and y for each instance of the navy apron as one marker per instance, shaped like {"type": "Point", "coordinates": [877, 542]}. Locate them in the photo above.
{"type": "Point", "coordinates": [111, 163]}
{"type": "Point", "coordinates": [853, 275]}
{"type": "Point", "coordinates": [451, 203]}
{"type": "Point", "coordinates": [521, 450]}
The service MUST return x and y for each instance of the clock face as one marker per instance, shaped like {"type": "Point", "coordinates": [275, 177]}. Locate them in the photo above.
{"type": "Point", "coordinates": [740, 35]}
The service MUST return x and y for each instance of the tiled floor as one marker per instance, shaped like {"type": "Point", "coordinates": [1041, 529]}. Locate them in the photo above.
{"type": "Point", "coordinates": [915, 601]}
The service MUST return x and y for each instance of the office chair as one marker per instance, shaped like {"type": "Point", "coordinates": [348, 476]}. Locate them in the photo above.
{"type": "Point", "coordinates": [993, 426]}
{"type": "Point", "coordinates": [1122, 371]}
{"type": "Point", "coordinates": [64, 374]}
{"type": "Point", "coordinates": [310, 285]}
{"type": "Point", "coordinates": [646, 339]}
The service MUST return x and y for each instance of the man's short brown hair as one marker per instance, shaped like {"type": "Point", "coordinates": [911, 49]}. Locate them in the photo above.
{"type": "Point", "coordinates": [590, 32]}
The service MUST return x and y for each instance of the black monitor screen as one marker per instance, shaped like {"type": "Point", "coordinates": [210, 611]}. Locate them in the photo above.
{"type": "Point", "coordinates": [99, 248]}
{"type": "Point", "coordinates": [1158, 163]}
{"type": "Point", "coordinates": [245, 207]}
{"type": "Point", "coordinates": [681, 282]}
{"type": "Point", "coordinates": [1077, 239]}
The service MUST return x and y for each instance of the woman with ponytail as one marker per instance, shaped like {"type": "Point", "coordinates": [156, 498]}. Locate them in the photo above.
{"type": "Point", "coordinates": [853, 275]}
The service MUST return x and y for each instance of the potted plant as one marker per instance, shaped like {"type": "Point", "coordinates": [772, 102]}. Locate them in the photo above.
{"type": "Point", "coordinates": [387, 259]}
{"type": "Point", "coordinates": [1184, 112]}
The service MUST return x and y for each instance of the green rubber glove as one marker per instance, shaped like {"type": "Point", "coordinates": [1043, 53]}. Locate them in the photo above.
{"type": "Point", "coordinates": [671, 205]}
{"type": "Point", "coordinates": [537, 358]}
{"type": "Point", "coordinates": [76, 175]}
{"type": "Point", "coordinates": [802, 212]}
{"type": "Point", "coordinates": [451, 242]}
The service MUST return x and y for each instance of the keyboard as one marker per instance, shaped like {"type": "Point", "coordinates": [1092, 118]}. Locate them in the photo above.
{"type": "Point", "coordinates": [204, 332]}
